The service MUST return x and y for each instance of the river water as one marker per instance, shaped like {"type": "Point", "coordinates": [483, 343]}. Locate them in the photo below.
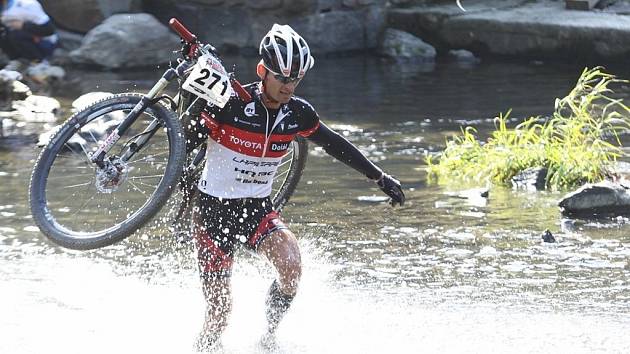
{"type": "Point", "coordinates": [441, 274]}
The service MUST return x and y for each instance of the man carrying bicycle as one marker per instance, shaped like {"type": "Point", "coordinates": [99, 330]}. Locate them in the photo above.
{"type": "Point", "coordinates": [246, 143]}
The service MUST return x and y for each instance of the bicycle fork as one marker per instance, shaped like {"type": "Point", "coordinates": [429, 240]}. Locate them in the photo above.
{"type": "Point", "coordinates": [98, 157]}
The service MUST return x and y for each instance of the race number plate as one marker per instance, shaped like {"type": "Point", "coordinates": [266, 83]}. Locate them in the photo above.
{"type": "Point", "coordinates": [210, 81]}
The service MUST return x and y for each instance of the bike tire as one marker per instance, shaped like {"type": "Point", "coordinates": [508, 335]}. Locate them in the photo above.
{"type": "Point", "coordinates": [281, 195]}
{"type": "Point", "coordinates": [47, 218]}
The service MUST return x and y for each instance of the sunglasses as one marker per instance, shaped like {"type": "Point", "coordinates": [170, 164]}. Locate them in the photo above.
{"type": "Point", "coordinates": [283, 79]}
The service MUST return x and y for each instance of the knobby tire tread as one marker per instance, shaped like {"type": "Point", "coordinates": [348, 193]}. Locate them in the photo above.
{"type": "Point", "coordinates": [153, 205]}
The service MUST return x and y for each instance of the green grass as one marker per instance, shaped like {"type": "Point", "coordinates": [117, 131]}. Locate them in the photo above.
{"type": "Point", "coordinates": [579, 143]}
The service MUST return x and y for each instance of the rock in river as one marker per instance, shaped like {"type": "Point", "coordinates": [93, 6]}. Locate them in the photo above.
{"type": "Point", "coordinates": [606, 197]}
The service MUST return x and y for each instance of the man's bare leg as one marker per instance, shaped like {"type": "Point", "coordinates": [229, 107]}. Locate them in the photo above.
{"type": "Point", "coordinates": [218, 293]}
{"type": "Point", "coordinates": [281, 249]}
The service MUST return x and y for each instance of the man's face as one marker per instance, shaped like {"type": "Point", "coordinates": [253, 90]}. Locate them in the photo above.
{"type": "Point", "coordinates": [277, 90]}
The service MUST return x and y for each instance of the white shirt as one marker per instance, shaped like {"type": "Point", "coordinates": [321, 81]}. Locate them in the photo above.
{"type": "Point", "coordinates": [27, 11]}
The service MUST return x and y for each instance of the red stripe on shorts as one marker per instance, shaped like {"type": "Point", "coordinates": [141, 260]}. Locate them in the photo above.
{"type": "Point", "coordinates": [270, 223]}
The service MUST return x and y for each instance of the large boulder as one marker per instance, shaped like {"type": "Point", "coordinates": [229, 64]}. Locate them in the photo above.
{"type": "Point", "coordinates": [399, 44]}
{"type": "Point", "coordinates": [519, 28]}
{"type": "Point", "coordinates": [339, 31]}
{"type": "Point", "coordinates": [600, 198]}
{"type": "Point", "coordinates": [125, 41]}
{"type": "Point", "coordinates": [327, 25]}
{"type": "Point", "coordinates": [83, 15]}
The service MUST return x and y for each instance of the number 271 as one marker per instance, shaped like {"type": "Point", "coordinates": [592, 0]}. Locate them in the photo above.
{"type": "Point", "coordinates": [205, 74]}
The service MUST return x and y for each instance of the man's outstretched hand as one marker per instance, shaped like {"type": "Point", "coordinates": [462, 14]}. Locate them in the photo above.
{"type": "Point", "coordinates": [391, 186]}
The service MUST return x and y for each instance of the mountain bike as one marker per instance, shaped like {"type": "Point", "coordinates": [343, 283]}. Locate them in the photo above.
{"type": "Point", "coordinates": [112, 166]}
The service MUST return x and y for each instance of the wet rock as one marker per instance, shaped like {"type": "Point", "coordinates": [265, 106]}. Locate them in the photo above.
{"type": "Point", "coordinates": [399, 44]}
{"type": "Point", "coordinates": [75, 141]}
{"type": "Point", "coordinates": [111, 44]}
{"type": "Point", "coordinates": [344, 31]}
{"type": "Point", "coordinates": [6, 90]}
{"type": "Point", "coordinates": [600, 198]}
{"type": "Point", "coordinates": [10, 75]}
{"type": "Point", "coordinates": [357, 3]}
{"type": "Point", "coordinates": [87, 99]}
{"type": "Point", "coordinates": [463, 56]}
{"type": "Point", "coordinates": [264, 4]}
{"type": "Point", "coordinates": [519, 28]}
{"type": "Point", "coordinates": [43, 72]}
{"type": "Point", "coordinates": [373, 199]}
{"type": "Point", "coordinates": [20, 91]}
{"type": "Point", "coordinates": [567, 225]}
{"type": "Point", "coordinates": [531, 179]}
{"type": "Point", "coordinates": [69, 40]}
{"type": "Point", "coordinates": [97, 130]}
{"type": "Point", "coordinates": [36, 109]}
{"type": "Point", "coordinates": [547, 236]}
{"type": "Point", "coordinates": [83, 15]}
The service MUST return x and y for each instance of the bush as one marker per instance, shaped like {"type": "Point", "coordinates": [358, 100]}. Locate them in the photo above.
{"type": "Point", "coordinates": [579, 143]}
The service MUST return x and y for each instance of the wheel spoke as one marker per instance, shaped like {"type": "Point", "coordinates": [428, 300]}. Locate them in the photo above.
{"type": "Point", "coordinates": [82, 207]}
{"type": "Point", "coordinates": [137, 188]}
{"type": "Point", "coordinates": [147, 157]}
{"type": "Point", "coordinates": [76, 185]}
{"type": "Point", "coordinates": [278, 176]}
{"type": "Point", "coordinates": [147, 176]}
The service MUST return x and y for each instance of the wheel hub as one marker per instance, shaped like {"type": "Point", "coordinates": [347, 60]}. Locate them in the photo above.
{"type": "Point", "coordinates": [111, 176]}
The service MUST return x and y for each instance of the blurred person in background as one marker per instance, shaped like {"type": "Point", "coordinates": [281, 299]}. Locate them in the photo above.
{"type": "Point", "coordinates": [27, 33]}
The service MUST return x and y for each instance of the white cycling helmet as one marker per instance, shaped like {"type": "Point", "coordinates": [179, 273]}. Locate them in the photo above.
{"type": "Point", "coordinates": [285, 52]}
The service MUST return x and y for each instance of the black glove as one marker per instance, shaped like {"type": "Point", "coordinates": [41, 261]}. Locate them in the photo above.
{"type": "Point", "coordinates": [390, 186]}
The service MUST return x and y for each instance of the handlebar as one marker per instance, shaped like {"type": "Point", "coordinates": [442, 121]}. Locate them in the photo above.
{"type": "Point", "coordinates": [182, 30]}
{"type": "Point", "coordinates": [191, 39]}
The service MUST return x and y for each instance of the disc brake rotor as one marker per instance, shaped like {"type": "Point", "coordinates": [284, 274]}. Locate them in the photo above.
{"type": "Point", "coordinates": [110, 178]}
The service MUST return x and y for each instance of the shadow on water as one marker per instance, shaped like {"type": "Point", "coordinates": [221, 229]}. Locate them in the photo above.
{"type": "Point", "coordinates": [442, 273]}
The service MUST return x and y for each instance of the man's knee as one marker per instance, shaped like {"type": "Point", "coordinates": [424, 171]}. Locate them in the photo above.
{"type": "Point", "coordinates": [282, 250]}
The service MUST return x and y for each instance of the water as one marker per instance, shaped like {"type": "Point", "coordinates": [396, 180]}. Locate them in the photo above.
{"type": "Point", "coordinates": [441, 274]}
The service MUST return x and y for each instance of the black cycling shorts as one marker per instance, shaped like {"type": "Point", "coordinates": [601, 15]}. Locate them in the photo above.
{"type": "Point", "coordinates": [220, 225]}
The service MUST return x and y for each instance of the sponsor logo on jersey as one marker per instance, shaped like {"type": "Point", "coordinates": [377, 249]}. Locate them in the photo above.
{"type": "Point", "coordinates": [255, 163]}
{"type": "Point", "coordinates": [279, 146]}
{"type": "Point", "coordinates": [250, 109]}
{"type": "Point", "coordinates": [246, 122]}
{"type": "Point", "coordinates": [245, 143]}
{"type": "Point", "coordinates": [293, 126]}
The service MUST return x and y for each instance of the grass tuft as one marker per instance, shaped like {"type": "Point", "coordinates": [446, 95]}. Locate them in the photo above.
{"type": "Point", "coordinates": [579, 143]}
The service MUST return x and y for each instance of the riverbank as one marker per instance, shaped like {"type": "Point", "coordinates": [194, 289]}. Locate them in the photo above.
{"type": "Point", "coordinates": [541, 30]}
{"type": "Point", "coordinates": [134, 34]}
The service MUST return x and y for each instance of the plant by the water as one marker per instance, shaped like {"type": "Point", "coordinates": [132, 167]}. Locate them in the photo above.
{"type": "Point", "coordinates": [579, 143]}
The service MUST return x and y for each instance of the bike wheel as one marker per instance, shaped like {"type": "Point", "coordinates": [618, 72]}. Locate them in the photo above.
{"type": "Point", "coordinates": [289, 173]}
{"type": "Point", "coordinates": [69, 201]}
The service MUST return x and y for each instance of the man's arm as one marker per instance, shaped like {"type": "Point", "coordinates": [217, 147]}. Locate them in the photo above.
{"type": "Point", "coordinates": [43, 30]}
{"type": "Point", "coordinates": [340, 148]}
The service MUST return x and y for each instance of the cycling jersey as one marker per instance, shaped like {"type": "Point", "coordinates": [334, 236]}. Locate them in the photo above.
{"type": "Point", "coordinates": [247, 142]}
